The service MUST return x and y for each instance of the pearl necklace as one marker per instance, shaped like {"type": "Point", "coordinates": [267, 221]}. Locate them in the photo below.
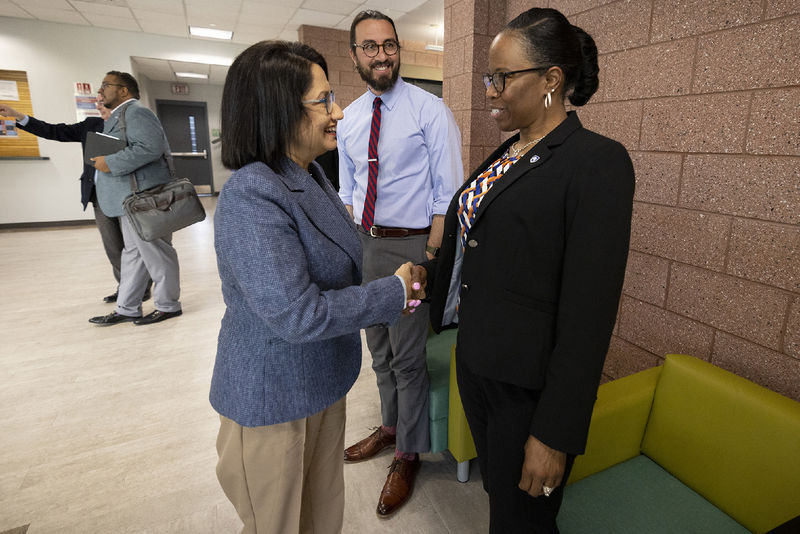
{"type": "Point", "coordinates": [517, 151]}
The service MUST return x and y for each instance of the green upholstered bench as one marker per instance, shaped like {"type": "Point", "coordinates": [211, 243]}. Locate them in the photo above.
{"type": "Point", "coordinates": [686, 447]}
{"type": "Point", "coordinates": [448, 425]}
{"type": "Point", "coordinates": [438, 350]}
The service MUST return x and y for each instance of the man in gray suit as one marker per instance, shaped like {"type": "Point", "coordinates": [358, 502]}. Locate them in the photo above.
{"type": "Point", "coordinates": [144, 158]}
{"type": "Point", "coordinates": [399, 166]}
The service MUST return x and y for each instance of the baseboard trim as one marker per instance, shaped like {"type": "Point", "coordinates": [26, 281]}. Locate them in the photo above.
{"type": "Point", "coordinates": [46, 224]}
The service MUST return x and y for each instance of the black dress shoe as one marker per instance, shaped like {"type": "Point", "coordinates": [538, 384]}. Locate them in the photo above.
{"type": "Point", "coordinates": [156, 317]}
{"type": "Point", "coordinates": [112, 318]}
{"type": "Point", "coordinates": [146, 295]}
{"type": "Point", "coordinates": [111, 298]}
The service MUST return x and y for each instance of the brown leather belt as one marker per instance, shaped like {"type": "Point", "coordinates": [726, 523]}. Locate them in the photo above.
{"type": "Point", "coordinates": [385, 231]}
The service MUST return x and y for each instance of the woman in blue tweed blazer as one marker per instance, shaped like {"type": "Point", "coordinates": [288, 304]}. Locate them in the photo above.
{"type": "Point", "coordinates": [290, 263]}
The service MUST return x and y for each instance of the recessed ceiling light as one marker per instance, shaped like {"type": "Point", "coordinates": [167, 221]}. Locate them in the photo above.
{"type": "Point", "coordinates": [211, 32]}
{"type": "Point", "coordinates": [191, 75]}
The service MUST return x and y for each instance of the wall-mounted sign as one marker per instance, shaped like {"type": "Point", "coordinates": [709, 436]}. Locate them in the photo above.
{"type": "Point", "coordinates": [180, 89]}
{"type": "Point", "coordinates": [85, 100]}
{"type": "Point", "coordinates": [8, 90]}
{"type": "Point", "coordinates": [83, 88]}
{"type": "Point", "coordinates": [15, 92]}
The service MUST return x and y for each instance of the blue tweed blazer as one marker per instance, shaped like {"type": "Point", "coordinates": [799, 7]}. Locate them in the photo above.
{"type": "Point", "coordinates": [290, 263]}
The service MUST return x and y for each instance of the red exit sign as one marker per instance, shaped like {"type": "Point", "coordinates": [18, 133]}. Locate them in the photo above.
{"type": "Point", "coordinates": [180, 89]}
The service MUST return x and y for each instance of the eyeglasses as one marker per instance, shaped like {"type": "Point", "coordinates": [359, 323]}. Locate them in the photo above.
{"type": "Point", "coordinates": [371, 48]}
{"type": "Point", "coordinates": [328, 100]}
{"type": "Point", "coordinates": [106, 84]}
{"type": "Point", "coordinates": [498, 79]}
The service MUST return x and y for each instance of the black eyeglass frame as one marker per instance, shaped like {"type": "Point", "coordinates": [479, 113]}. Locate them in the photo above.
{"type": "Point", "coordinates": [106, 84]}
{"type": "Point", "coordinates": [363, 46]}
{"type": "Point", "coordinates": [329, 99]}
{"type": "Point", "coordinates": [491, 78]}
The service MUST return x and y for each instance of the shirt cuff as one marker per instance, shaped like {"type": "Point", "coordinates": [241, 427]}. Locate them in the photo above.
{"type": "Point", "coordinates": [24, 121]}
{"type": "Point", "coordinates": [405, 291]}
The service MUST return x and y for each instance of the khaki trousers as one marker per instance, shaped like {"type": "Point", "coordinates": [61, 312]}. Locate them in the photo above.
{"type": "Point", "coordinates": [286, 478]}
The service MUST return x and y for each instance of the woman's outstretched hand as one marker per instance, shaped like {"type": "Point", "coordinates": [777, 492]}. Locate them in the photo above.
{"type": "Point", "coordinates": [415, 278]}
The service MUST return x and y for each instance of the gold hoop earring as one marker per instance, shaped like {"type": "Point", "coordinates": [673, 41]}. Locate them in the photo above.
{"type": "Point", "coordinates": [548, 99]}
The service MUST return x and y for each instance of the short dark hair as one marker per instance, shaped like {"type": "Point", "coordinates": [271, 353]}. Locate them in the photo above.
{"type": "Point", "coordinates": [369, 14]}
{"type": "Point", "coordinates": [551, 40]}
{"type": "Point", "coordinates": [127, 81]}
{"type": "Point", "coordinates": [262, 105]}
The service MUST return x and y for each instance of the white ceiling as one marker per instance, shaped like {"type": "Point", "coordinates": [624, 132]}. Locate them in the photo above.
{"type": "Point", "coordinates": [250, 20]}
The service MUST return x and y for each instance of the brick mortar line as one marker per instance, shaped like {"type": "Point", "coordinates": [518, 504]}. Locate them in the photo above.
{"type": "Point", "coordinates": [713, 344]}
{"type": "Point", "coordinates": [629, 342]}
{"type": "Point", "coordinates": [792, 226]}
{"type": "Point", "coordinates": [688, 95]}
{"type": "Point", "coordinates": [788, 293]}
{"type": "Point", "coordinates": [699, 35]}
{"type": "Point", "coordinates": [740, 338]}
{"type": "Point", "coordinates": [785, 326]}
{"type": "Point", "coordinates": [734, 154]}
{"type": "Point", "coordinates": [595, 8]}
{"type": "Point", "coordinates": [728, 240]}
{"type": "Point", "coordinates": [669, 281]}
{"type": "Point", "coordinates": [717, 329]}
{"type": "Point", "coordinates": [641, 125]}
{"type": "Point", "coordinates": [695, 54]}
{"type": "Point", "coordinates": [721, 30]}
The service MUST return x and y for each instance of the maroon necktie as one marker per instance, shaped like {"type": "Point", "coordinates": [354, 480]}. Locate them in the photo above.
{"type": "Point", "coordinates": [368, 215]}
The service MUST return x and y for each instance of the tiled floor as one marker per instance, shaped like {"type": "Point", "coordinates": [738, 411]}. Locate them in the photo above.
{"type": "Point", "coordinates": [109, 430]}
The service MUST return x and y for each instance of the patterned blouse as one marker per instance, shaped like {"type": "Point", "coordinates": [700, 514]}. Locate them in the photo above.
{"type": "Point", "coordinates": [472, 196]}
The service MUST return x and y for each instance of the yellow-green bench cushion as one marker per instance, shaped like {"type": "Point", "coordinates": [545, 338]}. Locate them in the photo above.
{"type": "Point", "coordinates": [733, 441]}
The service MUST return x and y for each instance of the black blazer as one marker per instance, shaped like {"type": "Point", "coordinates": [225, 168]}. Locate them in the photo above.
{"type": "Point", "coordinates": [70, 132]}
{"type": "Point", "coordinates": [542, 274]}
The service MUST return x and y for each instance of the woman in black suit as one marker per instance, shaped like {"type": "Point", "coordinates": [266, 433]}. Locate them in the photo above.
{"type": "Point", "coordinates": [531, 270]}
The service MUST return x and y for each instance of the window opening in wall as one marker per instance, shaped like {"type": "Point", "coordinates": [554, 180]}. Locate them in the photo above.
{"type": "Point", "coordinates": [432, 86]}
{"type": "Point", "coordinates": [193, 133]}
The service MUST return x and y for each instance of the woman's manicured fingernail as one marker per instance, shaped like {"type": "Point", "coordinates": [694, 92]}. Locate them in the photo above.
{"type": "Point", "coordinates": [416, 285]}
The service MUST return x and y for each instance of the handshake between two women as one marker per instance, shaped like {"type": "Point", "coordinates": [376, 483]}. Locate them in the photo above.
{"type": "Point", "coordinates": [415, 279]}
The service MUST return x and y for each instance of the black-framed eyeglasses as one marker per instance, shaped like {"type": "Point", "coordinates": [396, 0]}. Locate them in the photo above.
{"type": "Point", "coordinates": [371, 48]}
{"type": "Point", "coordinates": [328, 100]}
{"type": "Point", "coordinates": [498, 79]}
{"type": "Point", "coordinates": [104, 85]}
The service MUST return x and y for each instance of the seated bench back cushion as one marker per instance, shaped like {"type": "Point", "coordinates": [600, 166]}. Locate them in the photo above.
{"type": "Point", "coordinates": [735, 443]}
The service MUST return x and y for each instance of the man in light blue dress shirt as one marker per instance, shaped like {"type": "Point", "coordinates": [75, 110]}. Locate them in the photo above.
{"type": "Point", "coordinates": [419, 170]}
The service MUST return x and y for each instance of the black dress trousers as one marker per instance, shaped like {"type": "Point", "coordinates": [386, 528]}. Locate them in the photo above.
{"type": "Point", "coordinates": [499, 414]}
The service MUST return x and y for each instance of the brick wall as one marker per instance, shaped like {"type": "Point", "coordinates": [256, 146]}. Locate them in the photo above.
{"type": "Point", "coordinates": [469, 27]}
{"type": "Point", "coordinates": [706, 97]}
{"type": "Point", "coordinates": [346, 83]}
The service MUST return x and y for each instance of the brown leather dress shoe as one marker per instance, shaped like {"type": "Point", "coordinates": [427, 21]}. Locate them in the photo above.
{"type": "Point", "coordinates": [398, 487]}
{"type": "Point", "coordinates": [369, 446]}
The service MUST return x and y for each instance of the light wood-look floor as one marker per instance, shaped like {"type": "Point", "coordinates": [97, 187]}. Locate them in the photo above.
{"type": "Point", "coordinates": [109, 430]}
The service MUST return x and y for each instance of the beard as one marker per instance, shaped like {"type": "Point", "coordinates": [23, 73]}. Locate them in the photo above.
{"type": "Point", "coordinates": [379, 83]}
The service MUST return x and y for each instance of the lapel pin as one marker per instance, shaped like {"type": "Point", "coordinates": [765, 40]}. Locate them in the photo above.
{"type": "Point", "coordinates": [534, 158]}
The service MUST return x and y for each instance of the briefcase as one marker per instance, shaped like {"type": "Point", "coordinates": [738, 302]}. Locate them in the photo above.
{"type": "Point", "coordinates": [163, 209]}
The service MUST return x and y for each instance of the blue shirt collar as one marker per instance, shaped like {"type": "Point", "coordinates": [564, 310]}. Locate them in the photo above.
{"type": "Point", "coordinates": [389, 98]}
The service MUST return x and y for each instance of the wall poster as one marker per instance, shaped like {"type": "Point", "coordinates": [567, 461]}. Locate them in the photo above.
{"type": "Point", "coordinates": [15, 92]}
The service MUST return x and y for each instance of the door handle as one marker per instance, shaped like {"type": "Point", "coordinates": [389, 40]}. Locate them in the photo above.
{"type": "Point", "coordinates": [202, 154]}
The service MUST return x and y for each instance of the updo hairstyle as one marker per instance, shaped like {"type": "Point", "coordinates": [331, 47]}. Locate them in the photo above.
{"type": "Point", "coordinates": [550, 40]}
